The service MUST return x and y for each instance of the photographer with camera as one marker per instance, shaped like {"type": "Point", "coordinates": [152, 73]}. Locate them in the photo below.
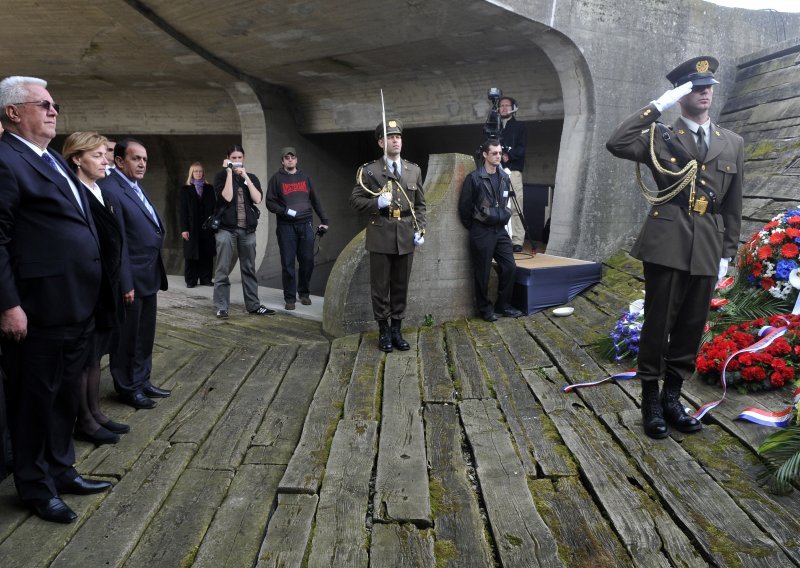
{"type": "Point", "coordinates": [514, 140]}
{"type": "Point", "coordinates": [291, 196]}
{"type": "Point", "coordinates": [238, 194]}
{"type": "Point", "coordinates": [484, 211]}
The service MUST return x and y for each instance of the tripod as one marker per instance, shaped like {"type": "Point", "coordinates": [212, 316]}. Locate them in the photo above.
{"type": "Point", "coordinates": [513, 195]}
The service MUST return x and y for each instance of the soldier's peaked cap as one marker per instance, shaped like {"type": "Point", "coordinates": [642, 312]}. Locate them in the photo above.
{"type": "Point", "coordinates": [393, 126]}
{"type": "Point", "coordinates": [699, 70]}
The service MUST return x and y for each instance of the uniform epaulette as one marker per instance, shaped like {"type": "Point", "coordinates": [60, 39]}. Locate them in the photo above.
{"type": "Point", "coordinates": [368, 163]}
{"type": "Point", "coordinates": [410, 162]}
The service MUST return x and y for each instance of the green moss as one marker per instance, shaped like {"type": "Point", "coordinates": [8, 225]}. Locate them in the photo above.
{"type": "Point", "coordinates": [760, 150]}
{"type": "Point", "coordinates": [512, 540]}
{"type": "Point", "coordinates": [188, 560]}
{"type": "Point", "coordinates": [722, 546]}
{"type": "Point", "coordinates": [445, 552]}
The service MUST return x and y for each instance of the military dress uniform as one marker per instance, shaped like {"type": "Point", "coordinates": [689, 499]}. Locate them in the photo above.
{"type": "Point", "coordinates": [390, 231]}
{"type": "Point", "coordinates": [683, 239]}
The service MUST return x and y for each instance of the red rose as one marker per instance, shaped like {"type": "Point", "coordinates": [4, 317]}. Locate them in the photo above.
{"type": "Point", "coordinates": [764, 252]}
{"type": "Point", "coordinates": [777, 237]}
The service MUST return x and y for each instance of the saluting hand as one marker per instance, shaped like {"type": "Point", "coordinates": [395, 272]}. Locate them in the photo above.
{"type": "Point", "coordinates": [672, 96]}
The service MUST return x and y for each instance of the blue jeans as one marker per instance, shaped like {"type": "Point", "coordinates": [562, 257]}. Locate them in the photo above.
{"type": "Point", "coordinates": [245, 244]}
{"type": "Point", "coordinates": [296, 242]}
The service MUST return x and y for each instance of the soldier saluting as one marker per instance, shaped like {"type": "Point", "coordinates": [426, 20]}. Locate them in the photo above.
{"type": "Point", "coordinates": [390, 190]}
{"type": "Point", "coordinates": [690, 235]}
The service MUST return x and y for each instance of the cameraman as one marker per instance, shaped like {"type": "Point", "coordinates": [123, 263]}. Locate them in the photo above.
{"type": "Point", "coordinates": [291, 196]}
{"type": "Point", "coordinates": [483, 209]}
{"type": "Point", "coordinates": [238, 194]}
{"type": "Point", "coordinates": [514, 138]}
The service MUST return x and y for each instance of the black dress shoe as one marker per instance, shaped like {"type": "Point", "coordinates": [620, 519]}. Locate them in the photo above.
{"type": "Point", "coordinates": [491, 316]}
{"type": "Point", "coordinates": [82, 486]}
{"type": "Point", "coordinates": [53, 510]}
{"type": "Point", "coordinates": [510, 312]}
{"type": "Point", "coordinates": [100, 436]}
{"type": "Point", "coordinates": [517, 248]}
{"type": "Point", "coordinates": [137, 400]}
{"type": "Point", "coordinates": [155, 392]}
{"type": "Point", "coordinates": [116, 427]}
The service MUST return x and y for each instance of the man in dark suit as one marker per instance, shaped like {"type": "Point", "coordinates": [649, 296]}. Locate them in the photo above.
{"type": "Point", "coordinates": [50, 273]}
{"type": "Point", "coordinates": [142, 274]}
{"type": "Point", "coordinates": [690, 235]}
{"type": "Point", "coordinates": [390, 190]}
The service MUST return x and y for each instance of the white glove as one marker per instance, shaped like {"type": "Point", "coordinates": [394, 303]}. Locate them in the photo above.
{"type": "Point", "coordinates": [672, 96]}
{"type": "Point", "coordinates": [291, 212]}
{"type": "Point", "coordinates": [384, 200]}
{"type": "Point", "coordinates": [419, 240]}
{"type": "Point", "coordinates": [723, 268]}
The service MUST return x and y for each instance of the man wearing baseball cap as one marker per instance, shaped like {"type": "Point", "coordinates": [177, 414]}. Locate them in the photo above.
{"type": "Point", "coordinates": [291, 196]}
{"type": "Point", "coordinates": [690, 234]}
{"type": "Point", "coordinates": [390, 190]}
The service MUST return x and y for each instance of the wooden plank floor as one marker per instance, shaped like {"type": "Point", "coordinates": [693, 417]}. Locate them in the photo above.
{"type": "Point", "coordinates": [282, 448]}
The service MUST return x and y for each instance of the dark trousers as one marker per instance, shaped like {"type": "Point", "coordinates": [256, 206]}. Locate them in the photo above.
{"type": "Point", "coordinates": [200, 269]}
{"type": "Point", "coordinates": [388, 278]}
{"type": "Point", "coordinates": [487, 243]}
{"type": "Point", "coordinates": [296, 242]}
{"type": "Point", "coordinates": [131, 352]}
{"type": "Point", "coordinates": [675, 312]}
{"type": "Point", "coordinates": [43, 375]}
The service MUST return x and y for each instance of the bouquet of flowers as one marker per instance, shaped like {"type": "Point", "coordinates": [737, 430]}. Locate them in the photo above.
{"type": "Point", "coordinates": [769, 260]}
{"type": "Point", "coordinates": [625, 335]}
{"type": "Point", "coordinates": [767, 369]}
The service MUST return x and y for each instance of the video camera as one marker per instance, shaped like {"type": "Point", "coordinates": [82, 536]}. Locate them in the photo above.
{"type": "Point", "coordinates": [493, 125]}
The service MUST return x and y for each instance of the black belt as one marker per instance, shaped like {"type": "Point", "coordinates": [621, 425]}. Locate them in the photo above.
{"type": "Point", "coordinates": [682, 200]}
{"type": "Point", "coordinates": [390, 212]}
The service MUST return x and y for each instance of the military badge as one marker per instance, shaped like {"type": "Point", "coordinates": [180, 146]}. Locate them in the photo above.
{"type": "Point", "coordinates": [702, 66]}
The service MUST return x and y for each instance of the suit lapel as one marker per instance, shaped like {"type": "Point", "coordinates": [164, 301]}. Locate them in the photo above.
{"type": "Point", "coordinates": [685, 138]}
{"type": "Point", "coordinates": [717, 142]}
{"type": "Point", "coordinates": [129, 192]}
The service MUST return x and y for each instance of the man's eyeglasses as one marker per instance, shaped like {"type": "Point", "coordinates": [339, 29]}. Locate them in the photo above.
{"type": "Point", "coordinates": [46, 105]}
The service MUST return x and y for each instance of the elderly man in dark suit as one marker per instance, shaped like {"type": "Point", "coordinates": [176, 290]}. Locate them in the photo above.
{"type": "Point", "coordinates": [50, 274]}
{"type": "Point", "coordinates": [690, 235]}
{"type": "Point", "coordinates": [390, 190]}
{"type": "Point", "coordinates": [142, 274]}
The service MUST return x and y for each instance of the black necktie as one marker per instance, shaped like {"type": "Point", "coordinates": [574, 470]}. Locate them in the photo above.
{"type": "Point", "coordinates": [702, 147]}
{"type": "Point", "coordinates": [395, 170]}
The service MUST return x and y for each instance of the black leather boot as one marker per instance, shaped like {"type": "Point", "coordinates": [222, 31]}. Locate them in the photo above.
{"type": "Point", "coordinates": [397, 337]}
{"type": "Point", "coordinates": [652, 412]}
{"type": "Point", "coordinates": [384, 337]}
{"type": "Point", "coordinates": [674, 412]}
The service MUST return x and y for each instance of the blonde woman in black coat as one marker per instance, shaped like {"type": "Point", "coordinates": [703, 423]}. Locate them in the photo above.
{"type": "Point", "coordinates": [199, 245]}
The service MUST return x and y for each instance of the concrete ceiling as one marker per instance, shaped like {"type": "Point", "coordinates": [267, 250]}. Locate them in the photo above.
{"type": "Point", "coordinates": [168, 63]}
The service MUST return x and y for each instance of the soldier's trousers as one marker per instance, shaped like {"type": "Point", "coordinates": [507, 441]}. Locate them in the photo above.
{"type": "Point", "coordinates": [388, 277]}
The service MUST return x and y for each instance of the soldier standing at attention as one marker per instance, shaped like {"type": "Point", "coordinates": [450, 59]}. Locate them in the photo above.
{"type": "Point", "coordinates": [390, 190]}
{"type": "Point", "coordinates": [690, 235]}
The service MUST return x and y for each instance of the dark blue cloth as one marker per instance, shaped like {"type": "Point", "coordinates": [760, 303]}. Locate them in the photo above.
{"type": "Point", "coordinates": [296, 242]}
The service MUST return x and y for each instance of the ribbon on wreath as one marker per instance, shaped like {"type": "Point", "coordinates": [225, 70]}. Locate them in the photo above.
{"type": "Point", "coordinates": [780, 419]}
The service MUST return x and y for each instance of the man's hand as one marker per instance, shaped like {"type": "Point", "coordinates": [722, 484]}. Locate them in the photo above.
{"type": "Point", "coordinates": [384, 200]}
{"type": "Point", "coordinates": [672, 96]}
{"type": "Point", "coordinates": [14, 324]}
{"type": "Point", "coordinates": [723, 268]}
{"type": "Point", "coordinates": [127, 297]}
{"type": "Point", "coordinates": [419, 240]}
{"type": "Point", "coordinates": [185, 235]}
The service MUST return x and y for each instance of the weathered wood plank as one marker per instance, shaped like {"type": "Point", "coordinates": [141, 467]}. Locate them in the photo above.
{"type": "Point", "coordinates": [229, 440]}
{"type": "Point", "coordinates": [123, 516]}
{"type": "Point", "coordinates": [280, 430]}
{"type": "Point", "coordinates": [340, 538]}
{"type": "Point", "coordinates": [202, 412]}
{"type": "Point", "coordinates": [288, 531]}
{"type": "Point", "coordinates": [520, 535]}
{"type": "Point", "coordinates": [361, 401]}
{"type": "Point", "coordinates": [307, 465]}
{"type": "Point", "coordinates": [648, 533]}
{"type": "Point", "coordinates": [401, 546]}
{"type": "Point", "coordinates": [437, 384]}
{"type": "Point", "coordinates": [584, 536]}
{"type": "Point", "coordinates": [694, 498]}
{"type": "Point", "coordinates": [586, 326]}
{"type": "Point", "coordinates": [401, 480]}
{"type": "Point", "coordinates": [233, 539]}
{"type": "Point", "coordinates": [174, 534]}
{"type": "Point", "coordinates": [738, 471]}
{"type": "Point", "coordinates": [526, 352]}
{"type": "Point", "coordinates": [115, 460]}
{"type": "Point", "coordinates": [468, 376]}
{"type": "Point", "coordinates": [460, 536]}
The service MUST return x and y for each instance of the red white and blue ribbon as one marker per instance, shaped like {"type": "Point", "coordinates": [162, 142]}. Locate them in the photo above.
{"type": "Point", "coordinates": [618, 377]}
{"type": "Point", "coordinates": [772, 419]}
{"type": "Point", "coordinates": [768, 335]}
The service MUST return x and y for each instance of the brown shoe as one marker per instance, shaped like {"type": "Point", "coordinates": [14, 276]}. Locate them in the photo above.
{"type": "Point", "coordinates": [290, 305]}
{"type": "Point", "coordinates": [305, 300]}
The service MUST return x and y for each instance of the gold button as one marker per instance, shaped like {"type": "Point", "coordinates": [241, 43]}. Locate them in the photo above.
{"type": "Point", "coordinates": [681, 131]}
{"type": "Point", "coordinates": [703, 181]}
{"type": "Point", "coordinates": [716, 132]}
{"type": "Point", "coordinates": [727, 168]}
{"type": "Point", "coordinates": [703, 167]}
{"type": "Point", "coordinates": [655, 214]}
{"type": "Point", "coordinates": [673, 160]}
{"type": "Point", "coordinates": [647, 112]}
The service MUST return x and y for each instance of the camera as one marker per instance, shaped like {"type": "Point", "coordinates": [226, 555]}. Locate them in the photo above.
{"type": "Point", "coordinates": [493, 125]}
{"type": "Point", "coordinates": [235, 164]}
{"type": "Point", "coordinates": [321, 231]}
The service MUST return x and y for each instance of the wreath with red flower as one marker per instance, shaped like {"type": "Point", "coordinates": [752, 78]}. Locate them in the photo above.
{"type": "Point", "coordinates": [771, 368]}
{"type": "Point", "coordinates": [769, 260]}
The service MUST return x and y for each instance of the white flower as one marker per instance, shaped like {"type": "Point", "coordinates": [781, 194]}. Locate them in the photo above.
{"type": "Point", "coordinates": [794, 278]}
{"type": "Point", "coordinates": [636, 307]}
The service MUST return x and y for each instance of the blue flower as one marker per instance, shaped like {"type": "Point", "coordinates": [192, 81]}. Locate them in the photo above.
{"type": "Point", "coordinates": [784, 267]}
